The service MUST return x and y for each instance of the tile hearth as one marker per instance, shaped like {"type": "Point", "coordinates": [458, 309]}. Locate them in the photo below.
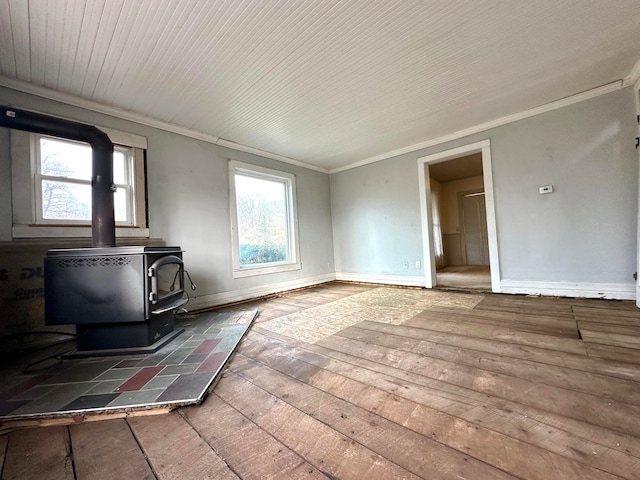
{"type": "Point", "coordinates": [180, 373]}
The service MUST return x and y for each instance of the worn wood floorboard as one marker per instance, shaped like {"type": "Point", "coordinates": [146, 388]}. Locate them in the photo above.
{"type": "Point", "coordinates": [424, 425]}
{"type": "Point", "coordinates": [539, 356]}
{"type": "Point", "coordinates": [328, 450]}
{"type": "Point", "coordinates": [264, 316]}
{"type": "Point", "coordinates": [452, 398]}
{"type": "Point", "coordinates": [107, 451]}
{"type": "Point", "coordinates": [252, 452]}
{"type": "Point", "coordinates": [412, 451]}
{"type": "Point", "coordinates": [561, 401]}
{"type": "Point", "coordinates": [564, 327]}
{"type": "Point", "coordinates": [30, 455]}
{"type": "Point", "coordinates": [507, 334]}
{"type": "Point", "coordinates": [610, 334]}
{"type": "Point", "coordinates": [591, 444]}
{"type": "Point", "coordinates": [176, 450]}
{"type": "Point", "coordinates": [611, 316]}
{"type": "Point", "coordinates": [619, 306]}
{"type": "Point", "coordinates": [613, 352]}
{"type": "Point", "coordinates": [559, 307]}
{"type": "Point", "coordinates": [503, 390]}
{"type": "Point", "coordinates": [601, 385]}
{"type": "Point", "coordinates": [295, 302]}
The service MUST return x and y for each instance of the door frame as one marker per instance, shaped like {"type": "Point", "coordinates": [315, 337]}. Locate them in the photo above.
{"type": "Point", "coordinates": [462, 229]}
{"type": "Point", "coordinates": [636, 94]}
{"type": "Point", "coordinates": [426, 218]}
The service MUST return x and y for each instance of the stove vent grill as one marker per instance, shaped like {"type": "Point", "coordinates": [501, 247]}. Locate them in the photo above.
{"type": "Point", "coordinates": [93, 262]}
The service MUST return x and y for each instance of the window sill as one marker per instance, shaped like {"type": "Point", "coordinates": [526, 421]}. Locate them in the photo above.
{"type": "Point", "coordinates": [251, 271]}
{"type": "Point", "coordinates": [45, 231]}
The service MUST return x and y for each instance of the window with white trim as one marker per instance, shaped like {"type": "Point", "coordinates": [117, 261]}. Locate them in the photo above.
{"type": "Point", "coordinates": [51, 181]}
{"type": "Point", "coordinates": [63, 182]}
{"type": "Point", "coordinates": [263, 220]}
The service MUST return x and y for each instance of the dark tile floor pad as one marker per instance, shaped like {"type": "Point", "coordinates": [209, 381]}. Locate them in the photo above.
{"type": "Point", "coordinates": [180, 373]}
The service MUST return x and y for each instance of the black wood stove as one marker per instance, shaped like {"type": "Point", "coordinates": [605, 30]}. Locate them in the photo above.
{"type": "Point", "coordinates": [118, 297]}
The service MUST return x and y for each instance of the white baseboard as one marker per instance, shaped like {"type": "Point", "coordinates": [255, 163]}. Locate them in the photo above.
{"type": "Point", "coordinates": [404, 280]}
{"type": "Point", "coordinates": [613, 291]}
{"type": "Point", "coordinates": [223, 298]}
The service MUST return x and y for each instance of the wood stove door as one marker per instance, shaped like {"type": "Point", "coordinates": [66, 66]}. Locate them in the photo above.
{"type": "Point", "coordinates": [166, 277]}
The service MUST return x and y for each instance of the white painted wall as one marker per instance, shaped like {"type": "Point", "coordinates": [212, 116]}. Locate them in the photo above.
{"type": "Point", "coordinates": [189, 205]}
{"type": "Point", "coordinates": [579, 239]}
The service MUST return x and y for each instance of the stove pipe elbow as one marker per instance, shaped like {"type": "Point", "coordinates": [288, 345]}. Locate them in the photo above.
{"type": "Point", "coordinates": [103, 227]}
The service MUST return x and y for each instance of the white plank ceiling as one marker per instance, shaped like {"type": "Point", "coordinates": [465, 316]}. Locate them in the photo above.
{"type": "Point", "coordinates": [329, 82]}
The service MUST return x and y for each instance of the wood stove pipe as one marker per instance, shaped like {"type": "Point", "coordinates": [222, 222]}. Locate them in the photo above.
{"type": "Point", "coordinates": [103, 226]}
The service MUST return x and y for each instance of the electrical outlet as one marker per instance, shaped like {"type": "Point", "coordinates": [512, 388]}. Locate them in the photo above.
{"type": "Point", "coordinates": [417, 263]}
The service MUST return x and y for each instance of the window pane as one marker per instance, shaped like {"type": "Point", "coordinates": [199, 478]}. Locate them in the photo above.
{"type": "Point", "coordinates": [62, 200]}
{"type": "Point", "coordinates": [65, 159]}
{"type": "Point", "coordinates": [66, 200]}
{"type": "Point", "coordinates": [262, 220]}
{"type": "Point", "coordinates": [119, 167]}
{"type": "Point", "coordinates": [120, 205]}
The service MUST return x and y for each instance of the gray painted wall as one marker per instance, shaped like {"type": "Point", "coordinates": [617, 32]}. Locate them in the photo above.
{"type": "Point", "coordinates": [189, 199]}
{"type": "Point", "coordinates": [583, 232]}
{"type": "Point", "coordinates": [376, 218]}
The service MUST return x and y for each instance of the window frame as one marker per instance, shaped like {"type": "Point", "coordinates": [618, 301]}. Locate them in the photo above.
{"type": "Point", "coordinates": [39, 177]}
{"type": "Point", "coordinates": [26, 189]}
{"type": "Point", "coordinates": [289, 181]}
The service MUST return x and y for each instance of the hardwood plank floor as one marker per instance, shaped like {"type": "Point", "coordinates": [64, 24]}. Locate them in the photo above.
{"type": "Point", "coordinates": [251, 451]}
{"type": "Point", "coordinates": [34, 455]}
{"type": "Point", "coordinates": [176, 450]}
{"type": "Point", "coordinates": [107, 451]}
{"type": "Point", "coordinates": [514, 387]}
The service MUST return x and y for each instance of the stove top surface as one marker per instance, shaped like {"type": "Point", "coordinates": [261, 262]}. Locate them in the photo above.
{"type": "Point", "coordinates": [97, 251]}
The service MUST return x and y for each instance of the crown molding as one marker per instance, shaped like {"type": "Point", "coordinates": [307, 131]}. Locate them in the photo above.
{"type": "Point", "coordinates": [43, 92]}
{"type": "Point", "coordinates": [93, 106]}
{"type": "Point", "coordinates": [634, 75]}
{"type": "Point", "coordinates": [243, 148]}
{"type": "Point", "coordinates": [579, 97]}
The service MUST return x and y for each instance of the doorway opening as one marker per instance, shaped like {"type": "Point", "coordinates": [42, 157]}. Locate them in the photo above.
{"type": "Point", "coordinates": [458, 209]}
{"type": "Point", "coordinates": [458, 219]}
